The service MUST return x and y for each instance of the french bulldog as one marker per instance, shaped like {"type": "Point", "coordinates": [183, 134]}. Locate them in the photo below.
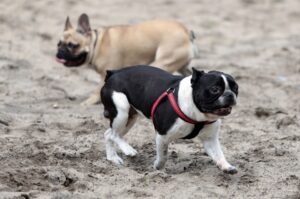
{"type": "Point", "coordinates": [168, 45]}
{"type": "Point", "coordinates": [201, 97]}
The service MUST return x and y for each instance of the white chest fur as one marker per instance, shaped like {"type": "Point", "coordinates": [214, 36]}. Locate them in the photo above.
{"type": "Point", "coordinates": [186, 103]}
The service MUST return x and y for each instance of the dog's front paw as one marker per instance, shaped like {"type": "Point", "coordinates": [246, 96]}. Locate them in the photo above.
{"type": "Point", "coordinates": [158, 165]}
{"type": "Point", "coordinates": [230, 170]}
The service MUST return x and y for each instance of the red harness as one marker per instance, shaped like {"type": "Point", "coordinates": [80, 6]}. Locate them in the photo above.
{"type": "Point", "coordinates": [170, 94]}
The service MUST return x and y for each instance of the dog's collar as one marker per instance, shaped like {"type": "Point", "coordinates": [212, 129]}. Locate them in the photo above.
{"type": "Point", "coordinates": [170, 94]}
{"type": "Point", "coordinates": [94, 46]}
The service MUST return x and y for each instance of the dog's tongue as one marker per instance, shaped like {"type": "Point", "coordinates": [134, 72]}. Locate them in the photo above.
{"type": "Point", "coordinates": [61, 60]}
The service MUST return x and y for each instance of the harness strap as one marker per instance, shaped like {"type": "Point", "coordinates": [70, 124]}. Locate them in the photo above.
{"type": "Point", "coordinates": [178, 111]}
{"type": "Point", "coordinates": [157, 102]}
{"type": "Point", "coordinates": [171, 97]}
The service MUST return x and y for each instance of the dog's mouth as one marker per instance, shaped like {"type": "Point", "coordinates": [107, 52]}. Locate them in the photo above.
{"type": "Point", "coordinates": [71, 60]}
{"type": "Point", "coordinates": [223, 111]}
{"type": "Point", "coordinates": [70, 63]}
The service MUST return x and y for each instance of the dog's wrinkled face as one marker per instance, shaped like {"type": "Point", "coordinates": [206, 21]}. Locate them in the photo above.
{"type": "Point", "coordinates": [73, 48]}
{"type": "Point", "coordinates": [214, 92]}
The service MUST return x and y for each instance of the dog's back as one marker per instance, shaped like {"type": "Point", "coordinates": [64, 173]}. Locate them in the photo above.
{"type": "Point", "coordinates": [161, 43]}
{"type": "Point", "coordinates": [135, 83]}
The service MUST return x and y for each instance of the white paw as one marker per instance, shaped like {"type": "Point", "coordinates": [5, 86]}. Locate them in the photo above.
{"type": "Point", "coordinates": [158, 165]}
{"type": "Point", "coordinates": [227, 168]}
{"type": "Point", "coordinates": [115, 159]}
{"type": "Point", "coordinates": [128, 150]}
{"type": "Point", "coordinates": [231, 170]}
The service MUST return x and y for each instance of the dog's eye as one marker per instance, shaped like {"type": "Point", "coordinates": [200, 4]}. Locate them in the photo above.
{"type": "Point", "coordinates": [215, 90]}
{"type": "Point", "coordinates": [59, 43]}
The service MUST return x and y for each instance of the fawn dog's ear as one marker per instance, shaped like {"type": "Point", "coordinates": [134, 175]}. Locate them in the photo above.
{"type": "Point", "coordinates": [68, 24]}
{"type": "Point", "coordinates": [84, 24]}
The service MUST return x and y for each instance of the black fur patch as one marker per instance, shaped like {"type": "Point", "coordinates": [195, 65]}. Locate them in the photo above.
{"type": "Point", "coordinates": [197, 128]}
{"type": "Point", "coordinates": [110, 110]}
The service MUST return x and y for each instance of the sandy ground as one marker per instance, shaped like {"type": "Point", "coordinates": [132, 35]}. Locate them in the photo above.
{"type": "Point", "coordinates": [50, 147]}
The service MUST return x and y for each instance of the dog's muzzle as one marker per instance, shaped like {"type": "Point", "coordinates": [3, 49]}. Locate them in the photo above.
{"type": "Point", "coordinates": [64, 56]}
{"type": "Point", "coordinates": [229, 99]}
{"type": "Point", "coordinates": [222, 106]}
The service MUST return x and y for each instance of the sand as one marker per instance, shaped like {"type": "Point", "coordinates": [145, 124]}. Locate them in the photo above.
{"type": "Point", "coordinates": [51, 147]}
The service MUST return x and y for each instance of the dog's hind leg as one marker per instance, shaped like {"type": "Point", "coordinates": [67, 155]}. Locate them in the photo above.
{"type": "Point", "coordinates": [111, 153]}
{"type": "Point", "coordinates": [173, 59]}
{"type": "Point", "coordinates": [110, 112]}
{"type": "Point", "coordinates": [185, 71]}
{"type": "Point", "coordinates": [116, 109]}
{"type": "Point", "coordinates": [122, 123]}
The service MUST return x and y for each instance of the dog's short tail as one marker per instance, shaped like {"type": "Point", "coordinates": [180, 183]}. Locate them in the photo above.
{"type": "Point", "coordinates": [195, 49]}
{"type": "Point", "coordinates": [109, 73]}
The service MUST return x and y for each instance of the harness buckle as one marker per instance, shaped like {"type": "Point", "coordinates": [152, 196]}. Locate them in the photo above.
{"type": "Point", "coordinates": [171, 90]}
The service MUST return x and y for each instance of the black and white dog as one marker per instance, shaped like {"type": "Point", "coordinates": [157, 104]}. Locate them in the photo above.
{"type": "Point", "coordinates": [201, 97]}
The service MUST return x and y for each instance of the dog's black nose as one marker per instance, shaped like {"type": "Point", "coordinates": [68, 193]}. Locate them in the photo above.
{"type": "Point", "coordinates": [62, 50]}
{"type": "Point", "coordinates": [62, 53]}
{"type": "Point", "coordinates": [229, 98]}
{"type": "Point", "coordinates": [59, 54]}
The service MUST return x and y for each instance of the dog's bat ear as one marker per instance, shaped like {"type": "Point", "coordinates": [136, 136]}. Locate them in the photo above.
{"type": "Point", "coordinates": [68, 24]}
{"type": "Point", "coordinates": [196, 75]}
{"type": "Point", "coordinates": [84, 24]}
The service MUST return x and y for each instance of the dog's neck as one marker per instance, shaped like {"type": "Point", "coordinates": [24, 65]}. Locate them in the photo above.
{"type": "Point", "coordinates": [187, 104]}
{"type": "Point", "coordinates": [95, 38]}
